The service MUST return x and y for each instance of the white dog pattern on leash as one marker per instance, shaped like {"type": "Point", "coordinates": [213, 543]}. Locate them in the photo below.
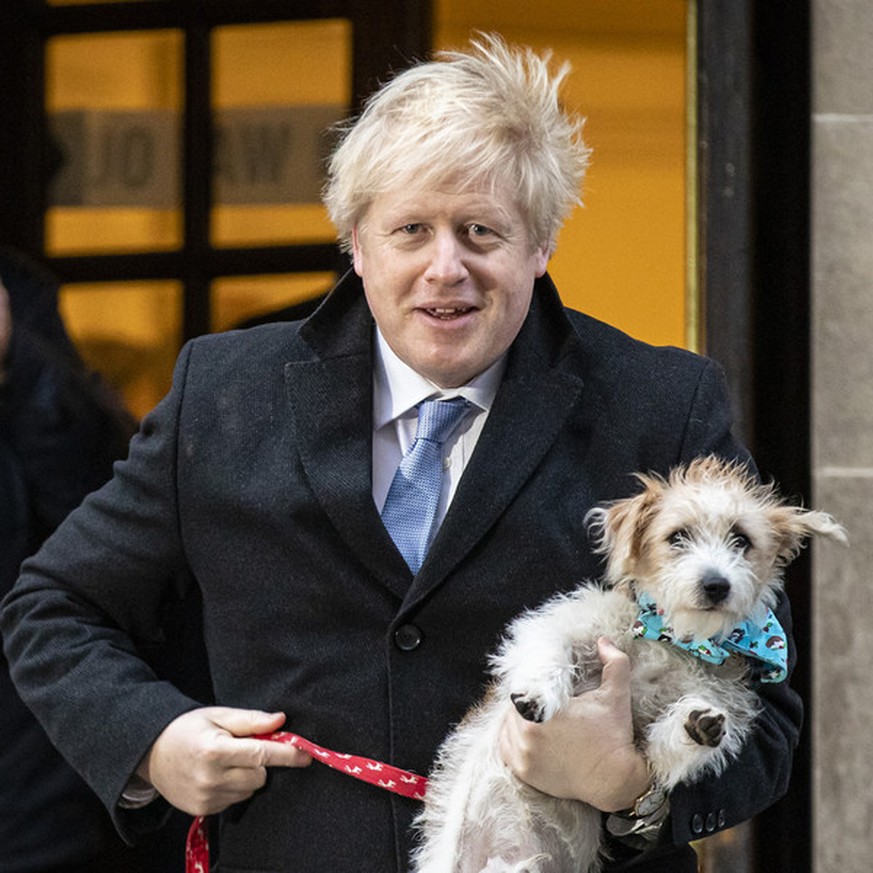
{"type": "Point", "coordinates": [703, 552]}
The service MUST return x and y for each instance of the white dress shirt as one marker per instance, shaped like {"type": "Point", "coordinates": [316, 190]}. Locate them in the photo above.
{"type": "Point", "coordinates": [397, 390]}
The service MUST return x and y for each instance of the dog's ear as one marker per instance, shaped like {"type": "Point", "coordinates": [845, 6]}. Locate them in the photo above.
{"type": "Point", "coordinates": [795, 525]}
{"type": "Point", "coordinates": [618, 528]}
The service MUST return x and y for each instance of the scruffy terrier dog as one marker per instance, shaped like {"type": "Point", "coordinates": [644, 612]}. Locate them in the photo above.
{"type": "Point", "coordinates": [695, 560]}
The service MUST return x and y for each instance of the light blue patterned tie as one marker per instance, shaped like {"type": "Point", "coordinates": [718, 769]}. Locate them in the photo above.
{"type": "Point", "coordinates": [412, 500]}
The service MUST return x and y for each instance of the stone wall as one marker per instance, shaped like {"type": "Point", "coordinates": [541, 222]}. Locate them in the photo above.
{"type": "Point", "coordinates": [842, 431]}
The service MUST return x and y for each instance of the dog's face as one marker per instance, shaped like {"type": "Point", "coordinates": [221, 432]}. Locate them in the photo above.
{"type": "Point", "coordinates": [708, 545]}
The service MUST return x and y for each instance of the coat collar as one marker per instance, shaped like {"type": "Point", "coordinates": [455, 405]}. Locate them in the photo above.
{"type": "Point", "coordinates": [330, 390]}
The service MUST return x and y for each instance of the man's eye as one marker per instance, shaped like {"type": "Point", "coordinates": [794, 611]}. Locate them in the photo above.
{"type": "Point", "coordinates": [479, 230]}
{"type": "Point", "coordinates": [411, 229]}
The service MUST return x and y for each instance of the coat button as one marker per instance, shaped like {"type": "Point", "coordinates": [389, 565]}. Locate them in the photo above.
{"type": "Point", "coordinates": [407, 637]}
{"type": "Point", "coordinates": [697, 824]}
{"type": "Point", "coordinates": [722, 818]}
{"type": "Point", "coordinates": [710, 823]}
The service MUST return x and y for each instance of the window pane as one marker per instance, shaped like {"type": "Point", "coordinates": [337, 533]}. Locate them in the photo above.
{"type": "Point", "coordinates": [114, 104]}
{"type": "Point", "coordinates": [277, 88]}
{"type": "Point", "coordinates": [243, 298]}
{"type": "Point", "coordinates": [136, 348]}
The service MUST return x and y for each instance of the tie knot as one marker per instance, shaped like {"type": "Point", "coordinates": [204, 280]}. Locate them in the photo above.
{"type": "Point", "coordinates": [438, 418]}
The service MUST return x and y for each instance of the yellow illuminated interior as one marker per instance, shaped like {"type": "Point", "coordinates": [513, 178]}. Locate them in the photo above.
{"type": "Point", "coordinates": [132, 330]}
{"type": "Point", "coordinates": [238, 298]}
{"type": "Point", "coordinates": [622, 257]}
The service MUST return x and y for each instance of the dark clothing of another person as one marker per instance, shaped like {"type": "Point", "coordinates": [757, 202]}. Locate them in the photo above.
{"type": "Point", "coordinates": [60, 431]}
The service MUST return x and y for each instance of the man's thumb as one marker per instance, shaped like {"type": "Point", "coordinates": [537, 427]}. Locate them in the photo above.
{"type": "Point", "coordinates": [247, 722]}
{"type": "Point", "coordinates": [616, 665]}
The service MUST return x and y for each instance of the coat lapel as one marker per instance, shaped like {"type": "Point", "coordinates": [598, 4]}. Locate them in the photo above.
{"type": "Point", "coordinates": [331, 395]}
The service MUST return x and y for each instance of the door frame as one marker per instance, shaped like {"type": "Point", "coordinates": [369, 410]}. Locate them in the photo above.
{"type": "Point", "coordinates": [753, 159]}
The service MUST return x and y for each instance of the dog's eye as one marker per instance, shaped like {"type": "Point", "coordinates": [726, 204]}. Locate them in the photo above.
{"type": "Point", "coordinates": [740, 541]}
{"type": "Point", "coordinates": [678, 538]}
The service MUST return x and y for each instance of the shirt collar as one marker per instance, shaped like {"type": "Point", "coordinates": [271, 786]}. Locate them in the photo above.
{"type": "Point", "coordinates": [398, 388]}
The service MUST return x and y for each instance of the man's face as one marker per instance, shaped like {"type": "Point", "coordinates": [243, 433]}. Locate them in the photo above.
{"type": "Point", "coordinates": [448, 277]}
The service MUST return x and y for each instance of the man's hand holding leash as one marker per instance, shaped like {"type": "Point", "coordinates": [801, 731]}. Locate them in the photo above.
{"type": "Point", "coordinates": [207, 759]}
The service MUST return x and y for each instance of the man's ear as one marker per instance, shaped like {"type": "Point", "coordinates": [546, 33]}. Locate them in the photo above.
{"type": "Point", "coordinates": [357, 256]}
{"type": "Point", "coordinates": [543, 253]}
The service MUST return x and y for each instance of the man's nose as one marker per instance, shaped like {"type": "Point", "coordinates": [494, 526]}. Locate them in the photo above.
{"type": "Point", "coordinates": [446, 263]}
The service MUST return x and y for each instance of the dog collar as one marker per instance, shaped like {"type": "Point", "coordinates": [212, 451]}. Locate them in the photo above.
{"type": "Point", "coordinates": [402, 782]}
{"type": "Point", "coordinates": [765, 642]}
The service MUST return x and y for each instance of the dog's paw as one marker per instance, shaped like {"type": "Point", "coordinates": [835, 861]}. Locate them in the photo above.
{"type": "Point", "coordinates": [528, 707]}
{"type": "Point", "coordinates": [705, 727]}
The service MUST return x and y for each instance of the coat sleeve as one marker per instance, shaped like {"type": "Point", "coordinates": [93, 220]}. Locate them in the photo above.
{"type": "Point", "coordinates": [87, 602]}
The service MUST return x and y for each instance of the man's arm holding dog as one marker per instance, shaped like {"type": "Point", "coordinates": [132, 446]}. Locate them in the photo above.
{"type": "Point", "coordinates": [587, 752]}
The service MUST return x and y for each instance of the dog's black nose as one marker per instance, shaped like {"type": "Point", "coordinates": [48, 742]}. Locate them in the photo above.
{"type": "Point", "coordinates": [716, 588]}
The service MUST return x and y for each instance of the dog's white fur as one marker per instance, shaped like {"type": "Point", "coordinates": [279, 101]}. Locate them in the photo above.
{"type": "Point", "coordinates": [709, 520]}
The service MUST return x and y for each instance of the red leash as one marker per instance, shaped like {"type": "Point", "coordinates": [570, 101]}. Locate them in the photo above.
{"type": "Point", "coordinates": [375, 772]}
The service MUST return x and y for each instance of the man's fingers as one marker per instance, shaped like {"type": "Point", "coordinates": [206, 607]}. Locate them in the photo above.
{"type": "Point", "coordinates": [262, 752]}
{"type": "Point", "coordinates": [586, 751]}
{"type": "Point", "coordinates": [284, 755]}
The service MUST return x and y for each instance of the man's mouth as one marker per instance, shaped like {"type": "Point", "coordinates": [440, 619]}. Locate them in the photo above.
{"type": "Point", "coordinates": [447, 313]}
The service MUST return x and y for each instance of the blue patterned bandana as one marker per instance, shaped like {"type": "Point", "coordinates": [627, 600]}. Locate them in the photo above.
{"type": "Point", "coordinates": [766, 642]}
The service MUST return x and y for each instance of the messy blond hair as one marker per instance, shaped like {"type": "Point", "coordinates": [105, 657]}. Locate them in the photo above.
{"type": "Point", "coordinates": [489, 117]}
